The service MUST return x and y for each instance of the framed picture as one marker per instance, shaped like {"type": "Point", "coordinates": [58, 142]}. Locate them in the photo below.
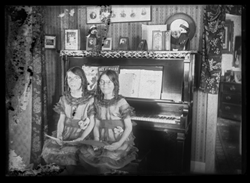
{"type": "Point", "coordinates": [167, 39]}
{"type": "Point", "coordinates": [121, 13]}
{"type": "Point", "coordinates": [50, 41]}
{"type": "Point", "coordinates": [90, 43]}
{"type": "Point", "coordinates": [123, 43]}
{"type": "Point", "coordinates": [237, 52]}
{"type": "Point", "coordinates": [107, 44]}
{"type": "Point", "coordinates": [142, 45]}
{"type": "Point", "coordinates": [157, 40]}
{"type": "Point", "coordinates": [72, 39]}
{"type": "Point", "coordinates": [228, 37]}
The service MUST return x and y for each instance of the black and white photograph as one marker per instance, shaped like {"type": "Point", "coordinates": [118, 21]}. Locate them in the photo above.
{"type": "Point", "coordinates": [125, 90]}
{"type": "Point", "coordinates": [50, 42]}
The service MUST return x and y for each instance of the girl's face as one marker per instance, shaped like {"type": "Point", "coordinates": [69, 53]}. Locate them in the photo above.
{"type": "Point", "coordinates": [106, 85]}
{"type": "Point", "coordinates": [74, 81]}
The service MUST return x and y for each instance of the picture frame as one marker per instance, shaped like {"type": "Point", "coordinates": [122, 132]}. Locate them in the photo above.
{"type": "Point", "coordinates": [49, 41]}
{"type": "Point", "coordinates": [107, 45]}
{"type": "Point", "coordinates": [90, 43]}
{"type": "Point", "coordinates": [120, 13]}
{"type": "Point", "coordinates": [72, 39]}
{"type": "Point", "coordinates": [167, 40]}
{"type": "Point", "coordinates": [157, 40]}
{"type": "Point", "coordinates": [142, 45]}
{"type": "Point", "coordinates": [227, 46]}
{"type": "Point", "coordinates": [237, 52]}
{"type": "Point", "coordinates": [123, 43]}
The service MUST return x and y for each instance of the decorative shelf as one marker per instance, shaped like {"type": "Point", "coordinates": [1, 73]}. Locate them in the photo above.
{"type": "Point", "coordinates": [128, 54]}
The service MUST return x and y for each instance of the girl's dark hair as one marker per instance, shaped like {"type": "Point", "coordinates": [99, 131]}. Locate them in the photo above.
{"type": "Point", "coordinates": [113, 76]}
{"type": "Point", "coordinates": [79, 72]}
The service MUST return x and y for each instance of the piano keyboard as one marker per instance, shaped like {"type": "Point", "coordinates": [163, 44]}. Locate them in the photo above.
{"type": "Point", "coordinates": [158, 118]}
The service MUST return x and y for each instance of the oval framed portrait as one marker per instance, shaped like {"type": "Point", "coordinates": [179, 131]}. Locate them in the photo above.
{"type": "Point", "coordinates": [180, 20]}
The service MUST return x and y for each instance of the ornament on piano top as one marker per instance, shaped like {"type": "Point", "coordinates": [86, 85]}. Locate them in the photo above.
{"type": "Point", "coordinates": [143, 45]}
{"type": "Point", "coordinates": [180, 38]}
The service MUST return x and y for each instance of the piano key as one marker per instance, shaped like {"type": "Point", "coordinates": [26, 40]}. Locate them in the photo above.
{"type": "Point", "coordinates": [154, 119]}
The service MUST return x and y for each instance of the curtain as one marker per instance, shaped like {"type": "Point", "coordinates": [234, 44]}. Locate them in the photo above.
{"type": "Point", "coordinates": [214, 20]}
{"type": "Point", "coordinates": [39, 90]}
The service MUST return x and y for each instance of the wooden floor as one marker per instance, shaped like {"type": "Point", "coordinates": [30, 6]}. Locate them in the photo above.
{"type": "Point", "coordinates": [228, 159]}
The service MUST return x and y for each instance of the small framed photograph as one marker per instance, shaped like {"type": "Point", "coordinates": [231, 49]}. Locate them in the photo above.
{"type": "Point", "coordinates": [237, 52]}
{"type": "Point", "coordinates": [50, 41]}
{"type": "Point", "coordinates": [72, 39]}
{"type": "Point", "coordinates": [107, 45]}
{"type": "Point", "coordinates": [142, 45]}
{"type": "Point", "coordinates": [90, 43]}
{"type": "Point", "coordinates": [123, 43]}
{"type": "Point", "coordinates": [167, 38]}
{"type": "Point", "coordinates": [157, 40]}
{"type": "Point", "coordinates": [228, 37]}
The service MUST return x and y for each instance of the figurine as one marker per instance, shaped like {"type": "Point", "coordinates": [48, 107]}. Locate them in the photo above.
{"type": "Point", "coordinates": [92, 32]}
{"type": "Point", "coordinates": [184, 41]}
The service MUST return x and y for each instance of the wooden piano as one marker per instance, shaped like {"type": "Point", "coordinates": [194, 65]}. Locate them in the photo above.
{"type": "Point", "coordinates": [163, 130]}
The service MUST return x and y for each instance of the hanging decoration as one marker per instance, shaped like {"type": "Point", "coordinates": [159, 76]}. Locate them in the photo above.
{"type": "Point", "coordinates": [102, 30]}
{"type": "Point", "coordinates": [214, 20]}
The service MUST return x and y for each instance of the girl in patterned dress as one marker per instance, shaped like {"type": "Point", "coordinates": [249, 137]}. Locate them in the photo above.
{"type": "Point", "coordinates": [113, 127]}
{"type": "Point", "coordinates": [75, 123]}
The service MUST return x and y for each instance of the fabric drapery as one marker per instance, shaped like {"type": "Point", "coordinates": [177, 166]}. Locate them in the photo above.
{"type": "Point", "coordinates": [212, 41]}
{"type": "Point", "coordinates": [39, 89]}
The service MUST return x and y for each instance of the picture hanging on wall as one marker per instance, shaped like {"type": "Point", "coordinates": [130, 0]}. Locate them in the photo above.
{"type": "Point", "coordinates": [228, 37]}
{"type": "Point", "coordinates": [50, 41]}
{"type": "Point", "coordinates": [157, 40]}
{"type": "Point", "coordinates": [107, 45]}
{"type": "Point", "coordinates": [123, 43]}
{"type": "Point", "coordinates": [237, 52]}
{"type": "Point", "coordinates": [72, 39]}
{"type": "Point", "coordinates": [121, 13]}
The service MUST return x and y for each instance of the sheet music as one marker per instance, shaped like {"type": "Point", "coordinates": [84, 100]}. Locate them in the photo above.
{"type": "Point", "coordinates": [150, 84]}
{"type": "Point", "coordinates": [129, 82]}
{"type": "Point", "coordinates": [140, 83]}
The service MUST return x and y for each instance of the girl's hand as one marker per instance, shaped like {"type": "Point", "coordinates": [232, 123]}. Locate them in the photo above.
{"type": "Point", "coordinates": [113, 146]}
{"type": "Point", "coordinates": [59, 142]}
{"type": "Point", "coordinates": [84, 124]}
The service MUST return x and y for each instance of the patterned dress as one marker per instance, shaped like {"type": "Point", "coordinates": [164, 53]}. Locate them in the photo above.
{"type": "Point", "coordinates": [66, 154]}
{"type": "Point", "coordinates": [111, 114]}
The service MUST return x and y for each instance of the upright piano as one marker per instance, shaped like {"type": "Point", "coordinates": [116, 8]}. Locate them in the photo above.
{"type": "Point", "coordinates": [163, 126]}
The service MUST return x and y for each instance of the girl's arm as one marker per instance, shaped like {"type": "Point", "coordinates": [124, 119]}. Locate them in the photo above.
{"type": "Point", "coordinates": [96, 130]}
{"type": "Point", "coordinates": [127, 131]}
{"type": "Point", "coordinates": [60, 126]}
